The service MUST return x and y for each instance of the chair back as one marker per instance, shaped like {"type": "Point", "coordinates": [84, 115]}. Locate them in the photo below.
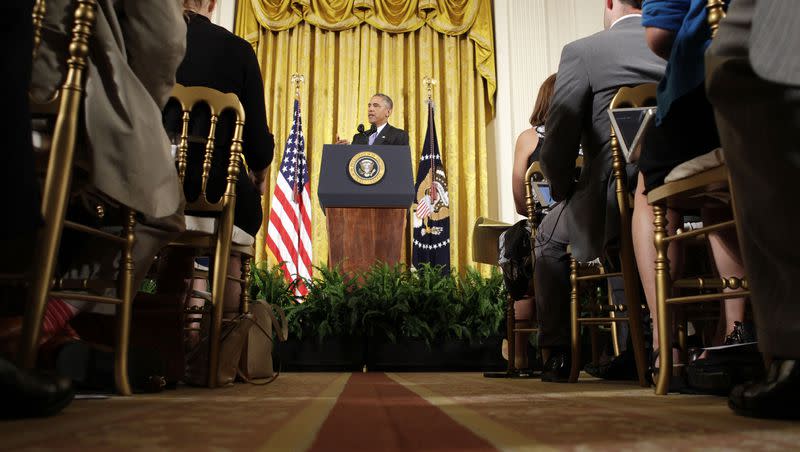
{"type": "Point", "coordinates": [189, 97]}
{"type": "Point", "coordinates": [39, 9]}
{"type": "Point", "coordinates": [716, 12]}
{"type": "Point", "coordinates": [627, 97]}
{"type": "Point", "coordinates": [65, 108]}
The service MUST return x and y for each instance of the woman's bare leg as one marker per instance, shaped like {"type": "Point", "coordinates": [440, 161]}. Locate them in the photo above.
{"type": "Point", "coordinates": [644, 249]}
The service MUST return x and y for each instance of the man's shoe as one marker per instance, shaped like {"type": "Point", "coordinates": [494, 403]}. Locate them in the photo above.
{"type": "Point", "coordinates": [91, 368]}
{"type": "Point", "coordinates": [30, 393]}
{"type": "Point", "coordinates": [777, 397]}
{"type": "Point", "coordinates": [622, 367]}
{"type": "Point", "coordinates": [558, 367]}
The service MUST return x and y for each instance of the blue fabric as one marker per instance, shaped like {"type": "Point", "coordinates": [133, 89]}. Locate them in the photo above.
{"type": "Point", "coordinates": [686, 65]}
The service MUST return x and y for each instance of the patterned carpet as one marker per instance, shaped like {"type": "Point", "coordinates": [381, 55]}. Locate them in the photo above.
{"type": "Point", "coordinates": [397, 412]}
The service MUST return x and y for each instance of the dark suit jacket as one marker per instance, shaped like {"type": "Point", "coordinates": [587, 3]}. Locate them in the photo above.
{"type": "Point", "coordinates": [134, 50]}
{"type": "Point", "coordinates": [773, 41]}
{"type": "Point", "coordinates": [389, 136]}
{"type": "Point", "coordinates": [590, 73]}
{"type": "Point", "coordinates": [218, 59]}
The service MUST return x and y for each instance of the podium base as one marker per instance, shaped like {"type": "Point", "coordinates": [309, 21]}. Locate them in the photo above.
{"type": "Point", "coordinates": [359, 237]}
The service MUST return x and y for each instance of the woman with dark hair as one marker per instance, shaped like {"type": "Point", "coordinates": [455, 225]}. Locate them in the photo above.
{"type": "Point", "coordinates": [529, 143]}
{"type": "Point", "coordinates": [526, 151]}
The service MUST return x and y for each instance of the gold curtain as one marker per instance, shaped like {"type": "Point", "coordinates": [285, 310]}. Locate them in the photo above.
{"type": "Point", "coordinates": [351, 49]}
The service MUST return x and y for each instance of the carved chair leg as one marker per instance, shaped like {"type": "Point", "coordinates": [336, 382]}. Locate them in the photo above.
{"type": "Point", "coordinates": [219, 277]}
{"type": "Point", "coordinates": [511, 336]}
{"type": "Point", "coordinates": [575, 312]}
{"type": "Point", "coordinates": [633, 303]}
{"type": "Point", "coordinates": [662, 291]}
{"type": "Point", "coordinates": [123, 317]}
{"type": "Point", "coordinates": [246, 279]}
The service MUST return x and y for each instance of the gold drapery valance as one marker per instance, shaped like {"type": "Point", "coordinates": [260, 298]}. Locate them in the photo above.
{"type": "Point", "coordinates": [450, 17]}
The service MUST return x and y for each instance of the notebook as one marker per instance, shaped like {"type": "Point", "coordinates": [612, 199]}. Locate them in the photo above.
{"type": "Point", "coordinates": [630, 125]}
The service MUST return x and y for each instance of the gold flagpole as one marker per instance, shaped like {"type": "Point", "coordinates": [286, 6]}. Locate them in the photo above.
{"type": "Point", "coordinates": [297, 80]}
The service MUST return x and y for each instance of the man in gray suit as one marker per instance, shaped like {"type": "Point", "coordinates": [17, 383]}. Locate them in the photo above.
{"type": "Point", "coordinates": [753, 82]}
{"type": "Point", "coordinates": [590, 73]}
{"type": "Point", "coordinates": [135, 49]}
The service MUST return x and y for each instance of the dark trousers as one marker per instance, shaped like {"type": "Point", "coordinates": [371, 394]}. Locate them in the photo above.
{"type": "Point", "coordinates": [687, 131]}
{"type": "Point", "coordinates": [551, 279]}
{"type": "Point", "coordinates": [758, 122]}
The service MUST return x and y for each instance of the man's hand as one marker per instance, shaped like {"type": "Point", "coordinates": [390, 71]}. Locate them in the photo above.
{"type": "Point", "coordinates": [259, 179]}
{"type": "Point", "coordinates": [341, 140]}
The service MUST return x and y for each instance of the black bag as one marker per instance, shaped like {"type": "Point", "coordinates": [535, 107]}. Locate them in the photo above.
{"type": "Point", "coordinates": [724, 368]}
{"type": "Point", "coordinates": [515, 259]}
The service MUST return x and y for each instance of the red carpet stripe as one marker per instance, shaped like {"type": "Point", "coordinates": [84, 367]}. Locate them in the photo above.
{"type": "Point", "coordinates": [376, 413]}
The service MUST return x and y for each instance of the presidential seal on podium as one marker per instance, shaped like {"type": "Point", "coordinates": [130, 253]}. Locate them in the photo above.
{"type": "Point", "coordinates": [366, 168]}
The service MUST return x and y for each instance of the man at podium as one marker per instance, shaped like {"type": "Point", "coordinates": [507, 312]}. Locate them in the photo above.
{"type": "Point", "coordinates": [380, 131]}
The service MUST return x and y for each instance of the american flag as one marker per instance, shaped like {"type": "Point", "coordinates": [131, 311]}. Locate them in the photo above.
{"type": "Point", "coordinates": [289, 230]}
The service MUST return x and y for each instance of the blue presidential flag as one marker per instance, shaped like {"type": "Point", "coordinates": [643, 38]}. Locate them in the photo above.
{"type": "Point", "coordinates": [431, 211]}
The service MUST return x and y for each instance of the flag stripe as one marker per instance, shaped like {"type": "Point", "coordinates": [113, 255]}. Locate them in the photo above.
{"type": "Point", "coordinates": [285, 242]}
{"type": "Point", "coordinates": [290, 222]}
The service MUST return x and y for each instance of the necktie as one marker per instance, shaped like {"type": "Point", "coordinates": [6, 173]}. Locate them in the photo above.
{"type": "Point", "coordinates": [372, 138]}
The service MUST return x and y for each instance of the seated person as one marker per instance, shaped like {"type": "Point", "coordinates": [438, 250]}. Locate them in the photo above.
{"type": "Point", "coordinates": [526, 151]}
{"type": "Point", "coordinates": [218, 59]}
{"type": "Point", "coordinates": [530, 142]}
{"type": "Point", "coordinates": [754, 87]}
{"type": "Point", "coordinates": [135, 48]}
{"type": "Point", "coordinates": [677, 30]}
{"type": "Point", "coordinates": [590, 73]}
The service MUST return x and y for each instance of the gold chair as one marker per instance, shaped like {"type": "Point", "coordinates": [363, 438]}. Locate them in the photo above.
{"type": "Point", "coordinates": [706, 189]}
{"type": "Point", "coordinates": [485, 239]}
{"type": "Point", "coordinates": [709, 188]}
{"type": "Point", "coordinates": [215, 233]}
{"type": "Point", "coordinates": [65, 110]}
{"type": "Point", "coordinates": [582, 272]}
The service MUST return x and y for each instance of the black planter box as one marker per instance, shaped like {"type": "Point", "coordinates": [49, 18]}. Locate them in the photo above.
{"type": "Point", "coordinates": [334, 354]}
{"type": "Point", "coordinates": [379, 354]}
{"type": "Point", "coordinates": [409, 354]}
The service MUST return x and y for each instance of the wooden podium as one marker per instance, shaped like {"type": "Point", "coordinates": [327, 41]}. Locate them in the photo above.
{"type": "Point", "coordinates": [360, 237]}
{"type": "Point", "coordinates": [366, 216]}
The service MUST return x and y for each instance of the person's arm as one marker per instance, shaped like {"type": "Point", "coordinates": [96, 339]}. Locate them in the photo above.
{"type": "Point", "coordinates": [662, 19]}
{"type": "Point", "coordinates": [258, 144]}
{"type": "Point", "coordinates": [660, 41]}
{"type": "Point", "coordinates": [155, 40]}
{"type": "Point", "coordinates": [526, 143]}
{"type": "Point", "coordinates": [572, 100]}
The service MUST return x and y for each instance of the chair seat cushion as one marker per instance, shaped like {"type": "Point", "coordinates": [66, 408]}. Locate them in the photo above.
{"type": "Point", "coordinates": [207, 225]}
{"type": "Point", "coordinates": [696, 165]}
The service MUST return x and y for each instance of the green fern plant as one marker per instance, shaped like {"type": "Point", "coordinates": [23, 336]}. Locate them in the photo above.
{"type": "Point", "coordinates": [390, 301]}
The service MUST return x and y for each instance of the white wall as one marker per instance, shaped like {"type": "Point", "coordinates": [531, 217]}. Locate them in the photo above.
{"type": "Point", "coordinates": [529, 35]}
{"type": "Point", "coordinates": [224, 14]}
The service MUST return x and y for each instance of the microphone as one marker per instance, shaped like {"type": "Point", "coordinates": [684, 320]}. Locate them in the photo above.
{"type": "Point", "coordinates": [371, 130]}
